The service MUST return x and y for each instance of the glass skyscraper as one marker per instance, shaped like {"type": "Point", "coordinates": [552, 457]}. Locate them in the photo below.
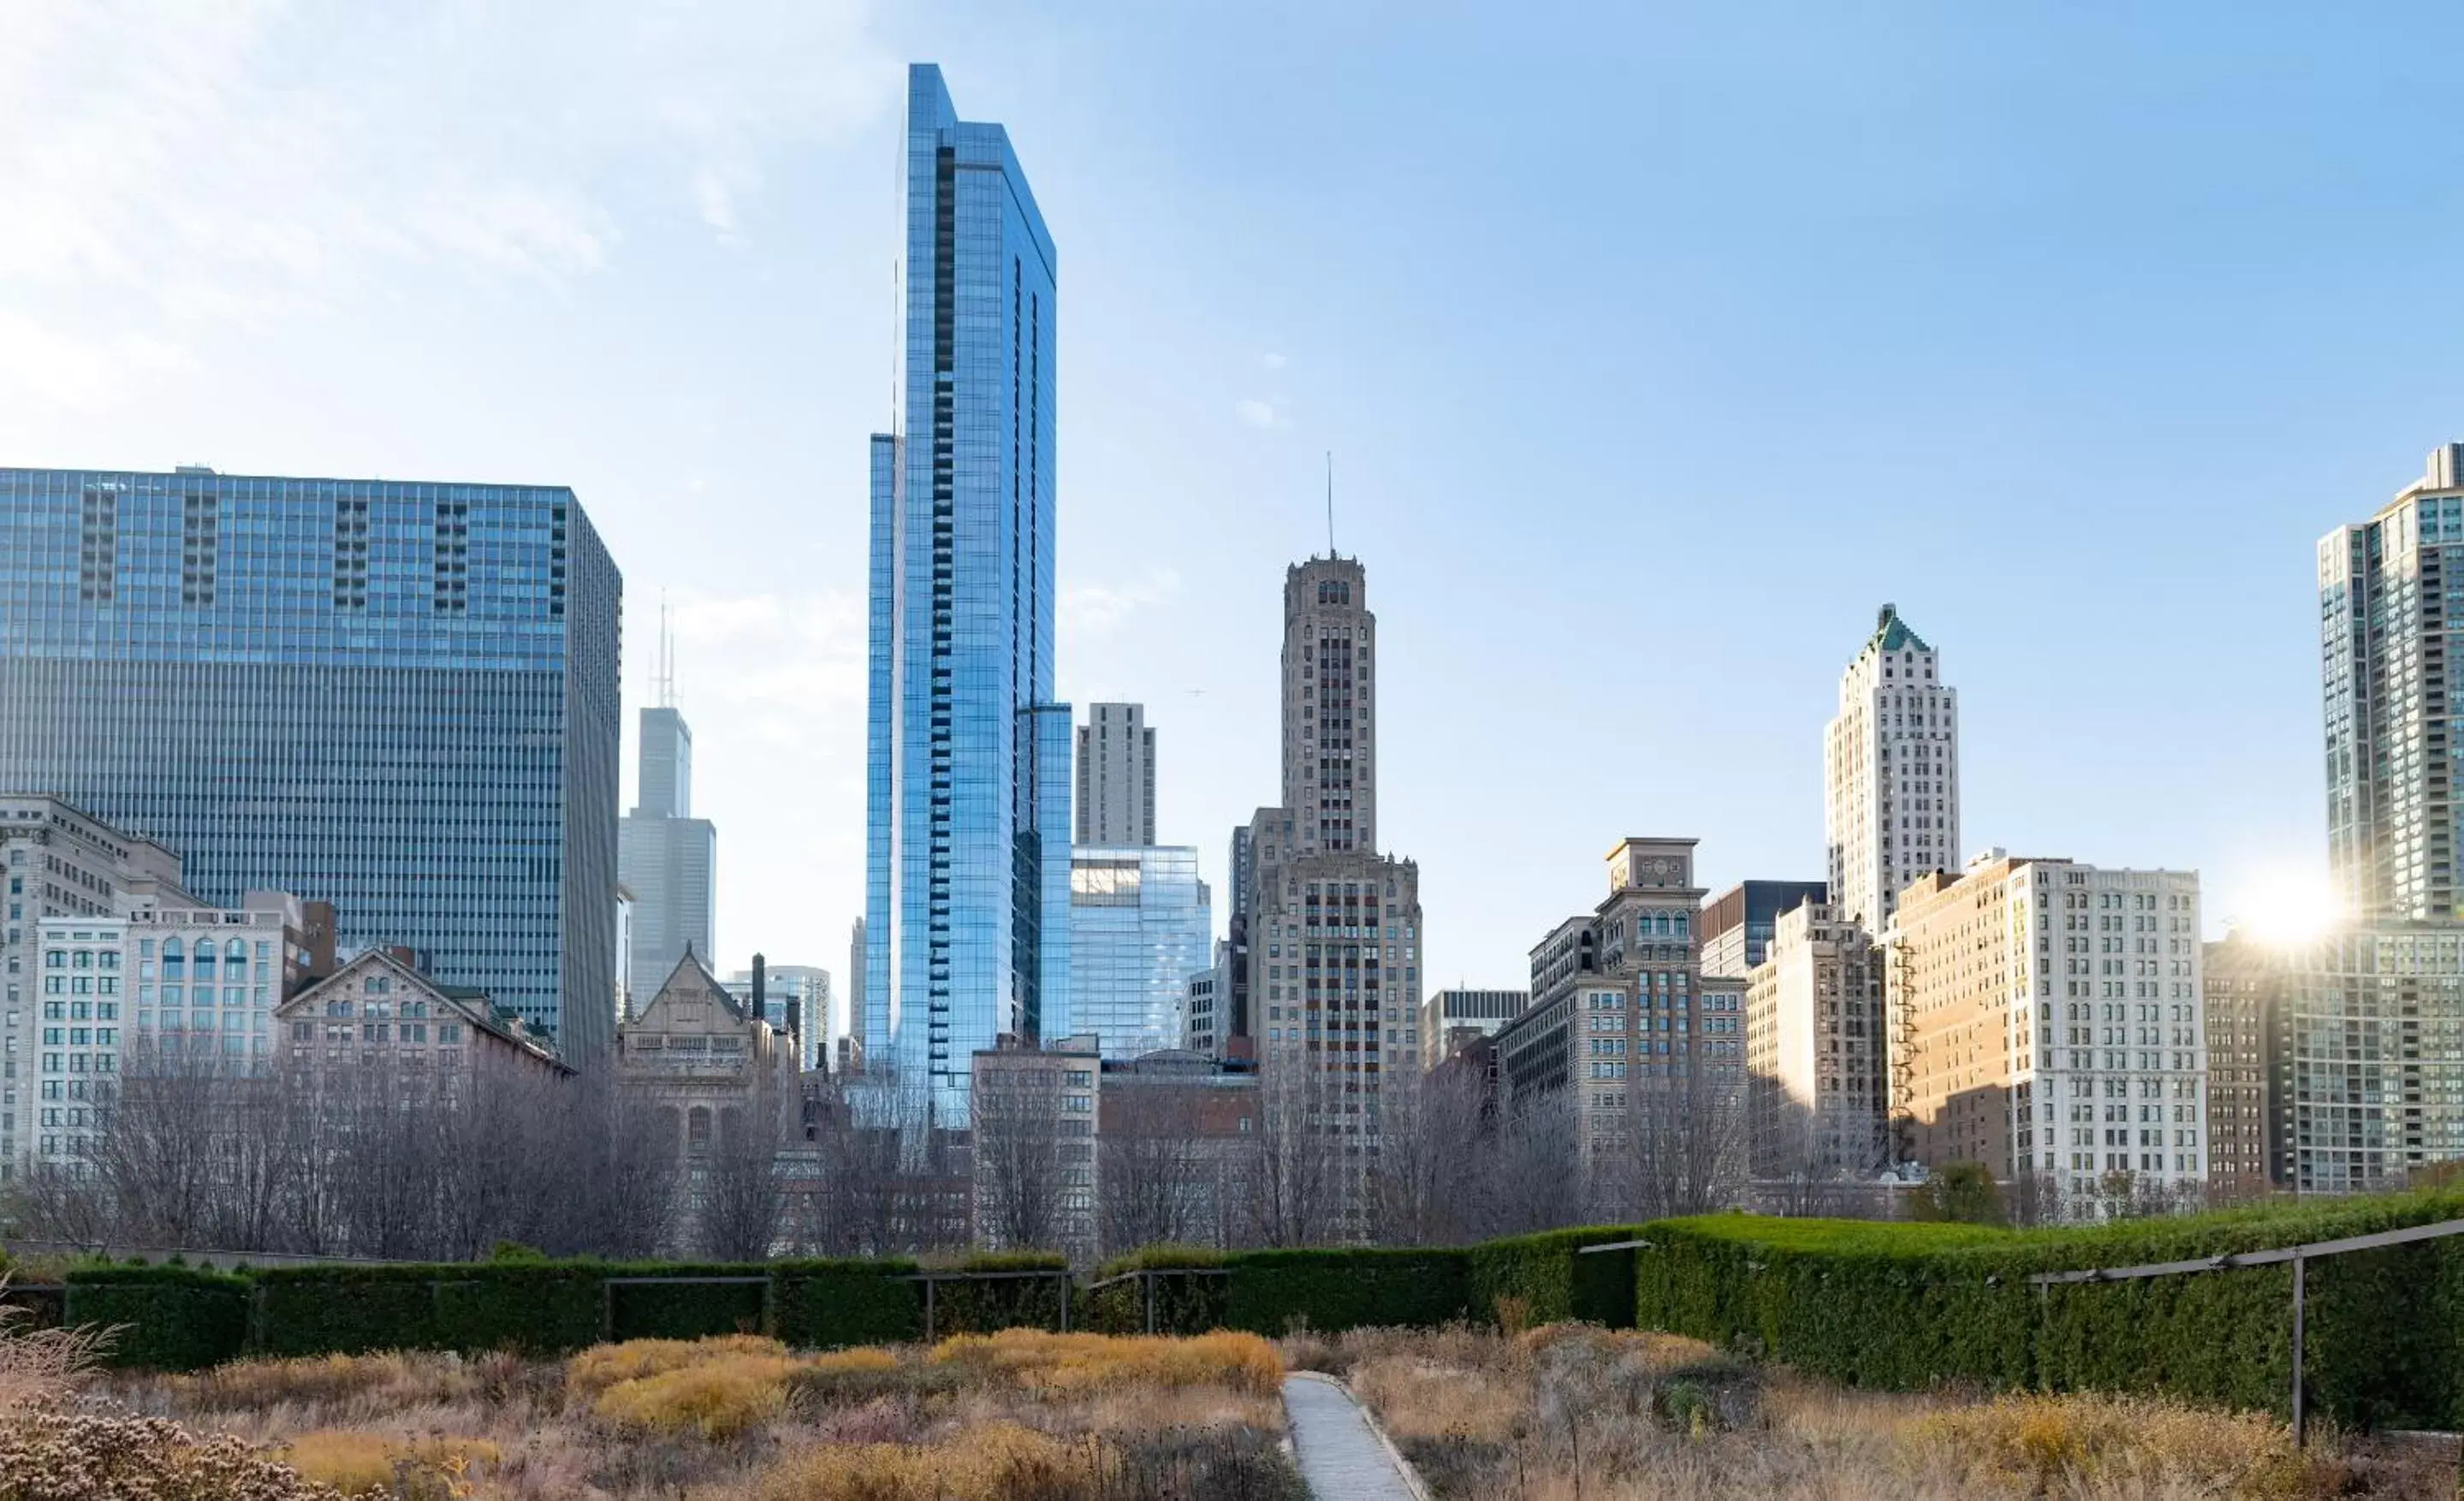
{"type": "Point", "coordinates": [1140, 924]}
{"type": "Point", "coordinates": [967, 805]}
{"type": "Point", "coordinates": [397, 697]}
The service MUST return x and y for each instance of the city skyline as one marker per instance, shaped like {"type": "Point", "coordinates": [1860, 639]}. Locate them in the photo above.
{"type": "Point", "coordinates": [2013, 429]}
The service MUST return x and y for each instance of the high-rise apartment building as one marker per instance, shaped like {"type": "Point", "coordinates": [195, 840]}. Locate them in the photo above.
{"type": "Point", "coordinates": [2365, 1057]}
{"type": "Point", "coordinates": [967, 794]}
{"type": "Point", "coordinates": [666, 857]}
{"type": "Point", "coordinates": [1140, 921]}
{"type": "Point", "coordinates": [2048, 1021]}
{"type": "Point", "coordinates": [1116, 776]}
{"type": "Point", "coordinates": [2393, 688]}
{"type": "Point", "coordinates": [1738, 923]}
{"type": "Point", "coordinates": [1890, 774]}
{"type": "Point", "coordinates": [402, 697]}
{"type": "Point", "coordinates": [2244, 982]}
{"type": "Point", "coordinates": [796, 1002]}
{"type": "Point", "coordinates": [1452, 1016]}
{"type": "Point", "coordinates": [1816, 1050]}
{"type": "Point", "coordinates": [1331, 980]}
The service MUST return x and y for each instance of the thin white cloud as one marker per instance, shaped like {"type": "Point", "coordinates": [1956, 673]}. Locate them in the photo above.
{"type": "Point", "coordinates": [1269, 360]}
{"type": "Point", "coordinates": [1095, 609]}
{"type": "Point", "coordinates": [171, 170]}
{"type": "Point", "coordinates": [1257, 411]}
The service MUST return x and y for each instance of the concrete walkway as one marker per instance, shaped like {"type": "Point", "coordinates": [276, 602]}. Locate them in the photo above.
{"type": "Point", "coordinates": [1340, 1455]}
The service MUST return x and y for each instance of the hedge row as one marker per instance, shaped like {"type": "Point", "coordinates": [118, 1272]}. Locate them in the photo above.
{"type": "Point", "coordinates": [1908, 1307]}
{"type": "Point", "coordinates": [1865, 1304]}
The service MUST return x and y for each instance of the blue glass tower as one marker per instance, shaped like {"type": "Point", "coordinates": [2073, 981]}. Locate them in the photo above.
{"type": "Point", "coordinates": [401, 699]}
{"type": "Point", "coordinates": [967, 864]}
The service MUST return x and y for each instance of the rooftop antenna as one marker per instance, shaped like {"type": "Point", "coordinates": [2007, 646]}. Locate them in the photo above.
{"type": "Point", "coordinates": [666, 686]}
{"type": "Point", "coordinates": [1330, 503]}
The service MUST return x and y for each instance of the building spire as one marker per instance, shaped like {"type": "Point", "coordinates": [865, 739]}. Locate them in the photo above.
{"type": "Point", "coordinates": [665, 688]}
{"type": "Point", "coordinates": [1330, 503]}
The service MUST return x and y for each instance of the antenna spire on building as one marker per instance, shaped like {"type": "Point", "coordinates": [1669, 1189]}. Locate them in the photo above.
{"type": "Point", "coordinates": [665, 688]}
{"type": "Point", "coordinates": [1330, 502]}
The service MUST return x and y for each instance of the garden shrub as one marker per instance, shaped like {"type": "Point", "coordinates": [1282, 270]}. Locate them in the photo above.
{"type": "Point", "coordinates": [1191, 1295]}
{"type": "Point", "coordinates": [824, 1305]}
{"type": "Point", "coordinates": [168, 1318]}
{"type": "Point", "coordinates": [1332, 1291]}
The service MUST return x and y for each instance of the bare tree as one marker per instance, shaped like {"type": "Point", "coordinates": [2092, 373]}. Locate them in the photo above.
{"type": "Point", "coordinates": [738, 1198]}
{"type": "Point", "coordinates": [1431, 1158]}
{"type": "Point", "coordinates": [1300, 1178]}
{"type": "Point", "coordinates": [1685, 1150]}
{"type": "Point", "coordinates": [1530, 1174]}
{"type": "Point", "coordinates": [1817, 1161]}
{"type": "Point", "coordinates": [1162, 1174]}
{"type": "Point", "coordinates": [1033, 1153]}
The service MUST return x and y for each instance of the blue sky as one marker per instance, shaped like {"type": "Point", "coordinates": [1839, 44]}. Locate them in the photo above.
{"type": "Point", "coordinates": [1657, 345]}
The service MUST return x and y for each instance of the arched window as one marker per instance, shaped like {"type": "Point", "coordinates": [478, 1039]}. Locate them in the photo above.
{"type": "Point", "coordinates": [731, 1126]}
{"type": "Point", "coordinates": [671, 1128]}
{"type": "Point", "coordinates": [172, 948]}
{"type": "Point", "coordinates": [697, 1129]}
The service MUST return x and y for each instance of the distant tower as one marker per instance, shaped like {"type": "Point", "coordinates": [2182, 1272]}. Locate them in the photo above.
{"type": "Point", "coordinates": [1116, 776]}
{"type": "Point", "coordinates": [1891, 774]}
{"type": "Point", "coordinates": [666, 857]}
{"type": "Point", "coordinates": [1329, 696]}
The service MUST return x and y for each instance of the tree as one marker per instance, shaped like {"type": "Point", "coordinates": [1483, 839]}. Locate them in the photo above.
{"type": "Point", "coordinates": [1034, 1152]}
{"type": "Point", "coordinates": [1162, 1181]}
{"type": "Point", "coordinates": [1685, 1150]}
{"type": "Point", "coordinates": [1963, 1193]}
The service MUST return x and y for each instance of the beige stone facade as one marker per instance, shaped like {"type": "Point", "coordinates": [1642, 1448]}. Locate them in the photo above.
{"type": "Point", "coordinates": [711, 1069]}
{"type": "Point", "coordinates": [377, 1014]}
{"type": "Point", "coordinates": [1815, 1054]}
{"type": "Point", "coordinates": [2048, 1020]}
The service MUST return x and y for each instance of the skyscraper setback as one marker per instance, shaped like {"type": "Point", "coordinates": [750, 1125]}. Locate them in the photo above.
{"type": "Point", "coordinates": [1891, 774]}
{"type": "Point", "coordinates": [398, 697]}
{"type": "Point", "coordinates": [967, 775]}
{"type": "Point", "coordinates": [667, 858]}
{"type": "Point", "coordinates": [1333, 928]}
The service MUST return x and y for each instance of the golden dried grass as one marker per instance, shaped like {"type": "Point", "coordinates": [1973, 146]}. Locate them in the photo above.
{"type": "Point", "coordinates": [356, 1462]}
{"type": "Point", "coordinates": [719, 1396]}
{"type": "Point", "coordinates": [991, 1462]}
{"type": "Point", "coordinates": [1084, 1363]}
{"type": "Point", "coordinates": [601, 1366]}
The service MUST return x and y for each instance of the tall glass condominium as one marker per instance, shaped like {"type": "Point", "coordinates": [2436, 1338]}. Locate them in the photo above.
{"type": "Point", "coordinates": [397, 697]}
{"type": "Point", "coordinates": [2392, 663]}
{"type": "Point", "coordinates": [967, 862]}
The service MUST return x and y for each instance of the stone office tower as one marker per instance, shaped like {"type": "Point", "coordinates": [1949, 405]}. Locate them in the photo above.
{"type": "Point", "coordinates": [1332, 927]}
{"type": "Point", "coordinates": [1891, 774]}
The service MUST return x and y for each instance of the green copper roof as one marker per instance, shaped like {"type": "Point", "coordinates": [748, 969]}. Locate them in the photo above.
{"type": "Point", "coordinates": [1891, 633]}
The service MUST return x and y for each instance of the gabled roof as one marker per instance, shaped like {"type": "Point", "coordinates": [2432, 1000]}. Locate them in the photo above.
{"type": "Point", "coordinates": [470, 1002]}
{"type": "Point", "coordinates": [692, 969]}
{"type": "Point", "coordinates": [1891, 633]}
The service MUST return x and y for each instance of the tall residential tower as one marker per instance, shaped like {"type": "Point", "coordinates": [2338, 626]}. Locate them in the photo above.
{"type": "Point", "coordinates": [967, 773]}
{"type": "Point", "coordinates": [400, 697]}
{"type": "Point", "coordinates": [1891, 774]}
{"type": "Point", "coordinates": [1116, 776]}
{"type": "Point", "coordinates": [2393, 683]}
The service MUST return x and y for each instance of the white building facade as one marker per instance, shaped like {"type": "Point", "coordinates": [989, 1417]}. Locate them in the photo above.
{"type": "Point", "coordinates": [2048, 1019]}
{"type": "Point", "coordinates": [1890, 774]}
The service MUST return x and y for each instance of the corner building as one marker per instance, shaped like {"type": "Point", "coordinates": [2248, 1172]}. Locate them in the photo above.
{"type": "Point", "coordinates": [399, 697]}
{"type": "Point", "coordinates": [967, 766]}
{"type": "Point", "coordinates": [2049, 1021]}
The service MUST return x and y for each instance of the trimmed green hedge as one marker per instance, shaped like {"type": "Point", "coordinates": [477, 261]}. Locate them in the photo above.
{"type": "Point", "coordinates": [166, 1318]}
{"type": "Point", "coordinates": [1331, 1290]}
{"type": "Point", "coordinates": [1191, 1295]}
{"type": "Point", "coordinates": [1555, 1281]}
{"type": "Point", "coordinates": [832, 1304]}
{"type": "Point", "coordinates": [1913, 1306]}
{"type": "Point", "coordinates": [540, 1308]}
